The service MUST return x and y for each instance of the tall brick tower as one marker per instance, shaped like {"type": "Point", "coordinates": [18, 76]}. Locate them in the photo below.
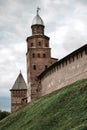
{"type": "Point", "coordinates": [38, 56]}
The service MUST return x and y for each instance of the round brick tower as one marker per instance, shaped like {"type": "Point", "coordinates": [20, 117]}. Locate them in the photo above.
{"type": "Point", "coordinates": [38, 56]}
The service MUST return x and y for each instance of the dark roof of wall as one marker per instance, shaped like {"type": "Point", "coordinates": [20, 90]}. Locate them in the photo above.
{"type": "Point", "coordinates": [76, 52]}
{"type": "Point", "coordinates": [54, 58]}
{"type": "Point", "coordinates": [19, 83]}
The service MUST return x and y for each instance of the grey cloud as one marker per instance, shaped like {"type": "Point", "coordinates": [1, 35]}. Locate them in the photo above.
{"type": "Point", "coordinates": [4, 2]}
{"type": "Point", "coordinates": [9, 69]}
{"type": "Point", "coordinates": [74, 40]}
{"type": "Point", "coordinates": [84, 2]}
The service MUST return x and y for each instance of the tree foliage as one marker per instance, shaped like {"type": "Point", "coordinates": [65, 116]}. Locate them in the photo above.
{"type": "Point", "coordinates": [3, 114]}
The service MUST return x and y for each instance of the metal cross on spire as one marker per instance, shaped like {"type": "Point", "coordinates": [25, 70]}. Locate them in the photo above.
{"type": "Point", "coordinates": [38, 10]}
{"type": "Point", "coordinates": [20, 71]}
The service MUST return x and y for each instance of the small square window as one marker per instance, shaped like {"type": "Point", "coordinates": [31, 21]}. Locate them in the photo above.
{"type": "Point", "coordinates": [44, 55]}
{"type": "Point", "coordinates": [46, 67]}
{"type": "Point", "coordinates": [32, 44]}
{"type": "Point", "coordinates": [46, 45]}
{"type": "Point", "coordinates": [34, 67]}
{"type": "Point", "coordinates": [39, 43]}
{"type": "Point", "coordinates": [33, 55]}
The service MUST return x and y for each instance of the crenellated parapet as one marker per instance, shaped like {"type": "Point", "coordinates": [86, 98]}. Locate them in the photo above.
{"type": "Point", "coordinates": [71, 68]}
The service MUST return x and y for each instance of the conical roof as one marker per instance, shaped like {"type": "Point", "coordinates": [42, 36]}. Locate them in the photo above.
{"type": "Point", "coordinates": [19, 83]}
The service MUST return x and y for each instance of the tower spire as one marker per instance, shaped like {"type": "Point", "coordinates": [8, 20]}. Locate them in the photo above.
{"type": "Point", "coordinates": [38, 10]}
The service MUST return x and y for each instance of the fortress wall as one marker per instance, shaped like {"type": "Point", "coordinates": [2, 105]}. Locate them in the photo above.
{"type": "Point", "coordinates": [64, 72]}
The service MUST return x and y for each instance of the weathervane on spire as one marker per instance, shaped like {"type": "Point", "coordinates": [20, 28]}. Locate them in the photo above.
{"type": "Point", "coordinates": [38, 10]}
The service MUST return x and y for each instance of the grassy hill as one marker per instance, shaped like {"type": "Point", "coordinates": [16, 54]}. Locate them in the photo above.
{"type": "Point", "coordinates": [65, 109]}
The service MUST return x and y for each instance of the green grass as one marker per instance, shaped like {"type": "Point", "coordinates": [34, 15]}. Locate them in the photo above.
{"type": "Point", "coordinates": [65, 109]}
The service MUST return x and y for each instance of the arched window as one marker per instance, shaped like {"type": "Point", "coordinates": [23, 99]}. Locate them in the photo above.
{"type": "Point", "coordinates": [38, 55]}
{"type": "Point", "coordinates": [46, 44]}
{"type": "Point", "coordinates": [44, 55]}
{"type": "Point", "coordinates": [33, 55]}
{"type": "Point", "coordinates": [39, 43]}
{"type": "Point", "coordinates": [32, 44]}
{"type": "Point", "coordinates": [34, 67]}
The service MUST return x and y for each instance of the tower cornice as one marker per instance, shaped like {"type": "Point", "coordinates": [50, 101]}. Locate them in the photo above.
{"type": "Point", "coordinates": [37, 36]}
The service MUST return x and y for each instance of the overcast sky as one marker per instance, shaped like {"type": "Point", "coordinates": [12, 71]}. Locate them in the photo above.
{"type": "Point", "coordinates": [65, 23]}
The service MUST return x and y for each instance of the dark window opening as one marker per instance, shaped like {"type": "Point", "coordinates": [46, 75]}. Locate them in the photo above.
{"type": "Point", "coordinates": [44, 55]}
{"type": "Point", "coordinates": [46, 67]}
{"type": "Point", "coordinates": [32, 44]}
{"type": "Point", "coordinates": [39, 43]}
{"type": "Point", "coordinates": [38, 55]}
{"type": "Point", "coordinates": [36, 90]}
{"type": "Point", "coordinates": [34, 67]}
{"type": "Point", "coordinates": [46, 45]}
{"type": "Point", "coordinates": [33, 55]}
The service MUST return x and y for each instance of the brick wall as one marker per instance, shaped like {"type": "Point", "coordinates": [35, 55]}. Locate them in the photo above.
{"type": "Point", "coordinates": [18, 99]}
{"type": "Point", "coordinates": [67, 71]}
